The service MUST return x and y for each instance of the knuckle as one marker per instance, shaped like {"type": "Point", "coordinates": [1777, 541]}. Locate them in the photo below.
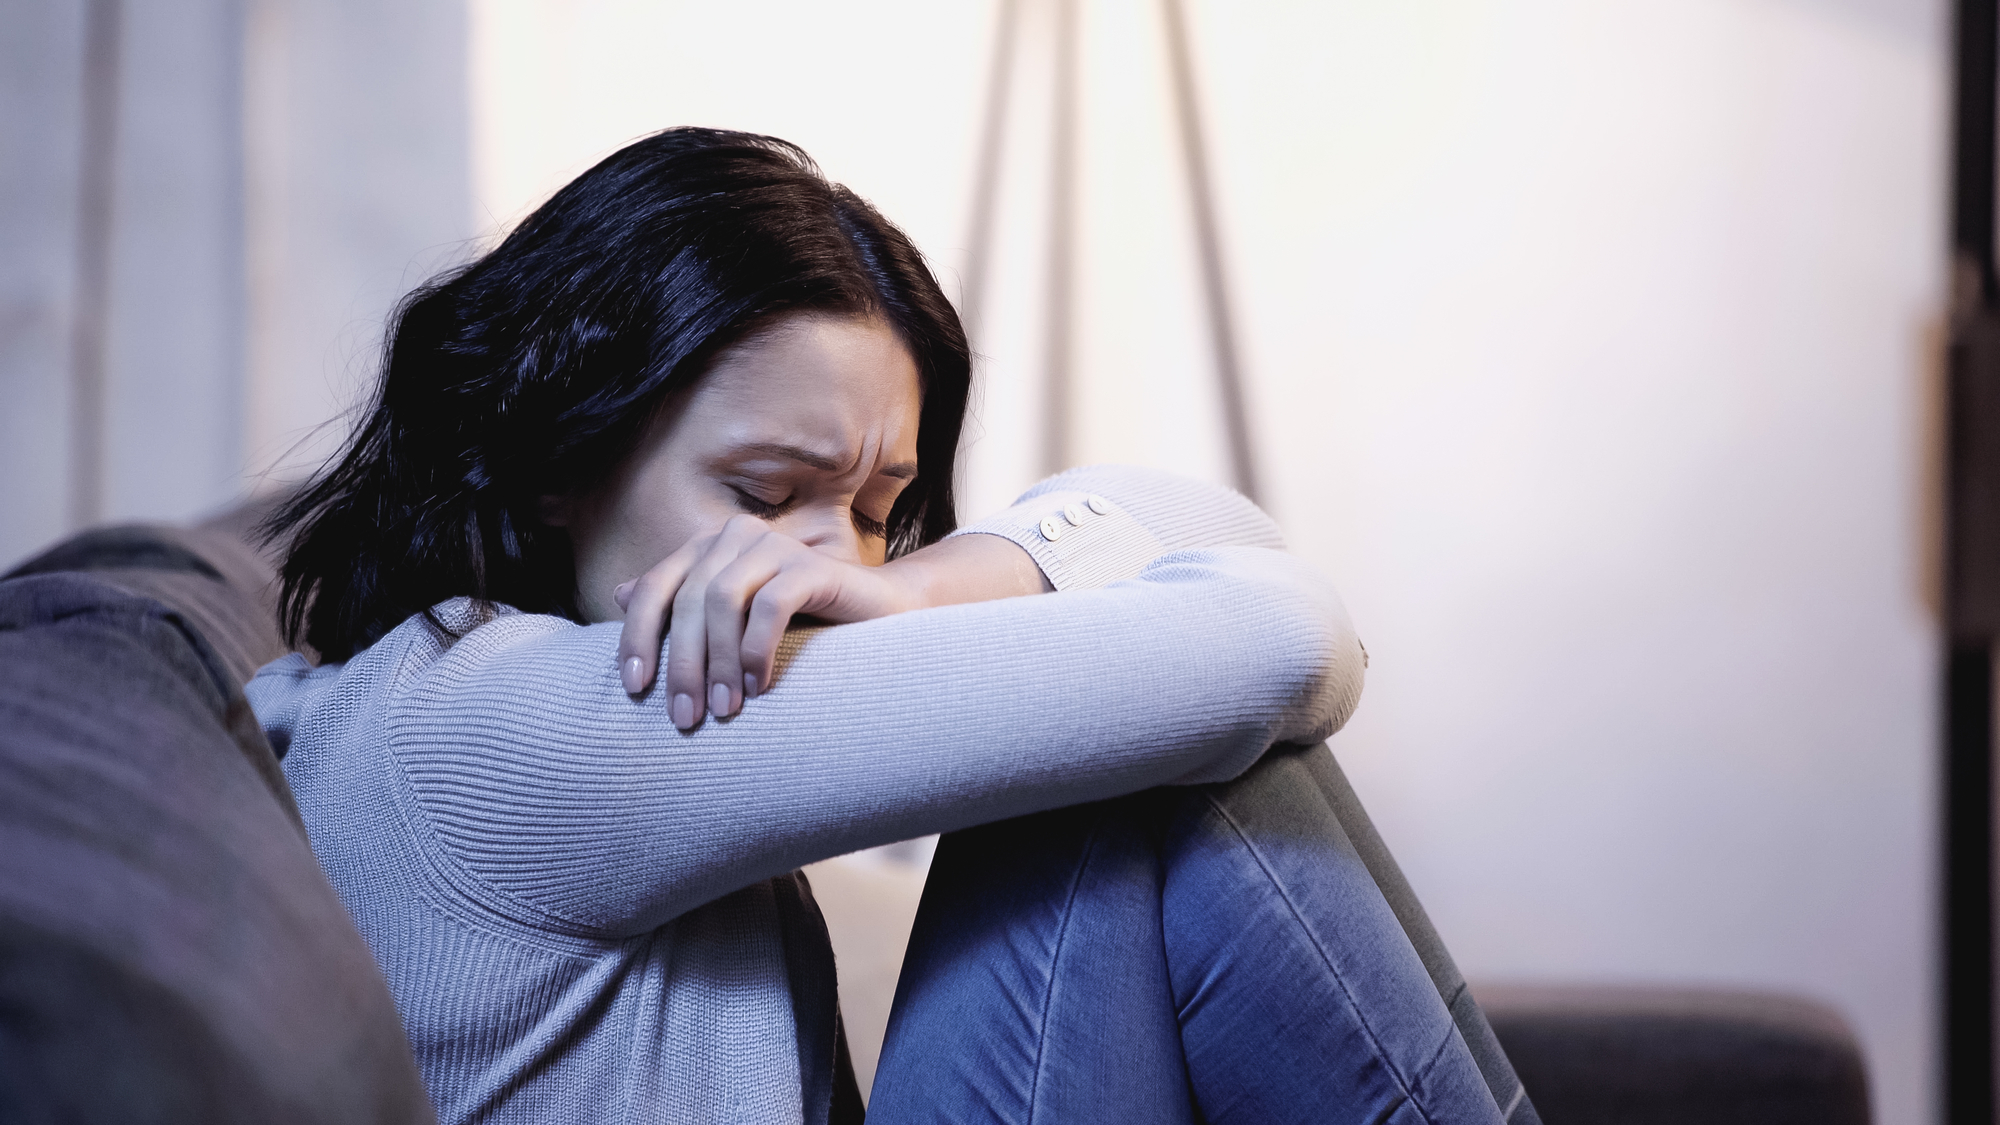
{"type": "Point", "coordinates": [728, 585]}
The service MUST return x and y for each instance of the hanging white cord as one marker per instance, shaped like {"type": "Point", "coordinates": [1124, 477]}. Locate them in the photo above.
{"type": "Point", "coordinates": [1056, 428]}
{"type": "Point", "coordinates": [1208, 243]}
{"type": "Point", "coordinates": [1056, 422]}
{"type": "Point", "coordinates": [986, 176]}
{"type": "Point", "coordinates": [103, 28]}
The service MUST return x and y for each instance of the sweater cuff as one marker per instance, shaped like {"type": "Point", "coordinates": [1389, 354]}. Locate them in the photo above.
{"type": "Point", "coordinates": [1079, 539]}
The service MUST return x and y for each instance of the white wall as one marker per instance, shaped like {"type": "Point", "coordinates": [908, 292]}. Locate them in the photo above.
{"type": "Point", "coordinates": [282, 171]}
{"type": "Point", "coordinates": [1590, 347]}
{"type": "Point", "coordinates": [359, 189]}
{"type": "Point", "coordinates": [1594, 349]}
{"type": "Point", "coordinates": [41, 62]}
{"type": "Point", "coordinates": [172, 326]}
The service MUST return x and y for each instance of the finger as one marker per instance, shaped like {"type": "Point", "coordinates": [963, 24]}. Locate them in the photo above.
{"type": "Point", "coordinates": [645, 607]}
{"type": "Point", "coordinates": [725, 605]}
{"type": "Point", "coordinates": [812, 584]}
{"type": "Point", "coordinates": [687, 645]}
{"type": "Point", "coordinates": [771, 613]}
{"type": "Point", "coordinates": [687, 655]}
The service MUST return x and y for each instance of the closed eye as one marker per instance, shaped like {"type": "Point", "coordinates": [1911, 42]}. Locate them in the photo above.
{"type": "Point", "coordinates": [762, 509]}
{"type": "Point", "coordinates": [869, 526]}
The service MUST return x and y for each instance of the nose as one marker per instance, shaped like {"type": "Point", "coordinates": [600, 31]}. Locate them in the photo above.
{"type": "Point", "coordinates": [824, 528]}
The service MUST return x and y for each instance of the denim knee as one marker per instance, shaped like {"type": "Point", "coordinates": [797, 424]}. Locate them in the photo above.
{"type": "Point", "coordinates": [1035, 985]}
{"type": "Point", "coordinates": [1298, 994]}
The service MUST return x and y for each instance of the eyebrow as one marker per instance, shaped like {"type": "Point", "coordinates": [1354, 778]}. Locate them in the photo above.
{"type": "Point", "coordinates": [901, 470]}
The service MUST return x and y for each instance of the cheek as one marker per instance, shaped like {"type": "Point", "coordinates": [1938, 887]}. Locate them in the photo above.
{"type": "Point", "coordinates": [659, 515]}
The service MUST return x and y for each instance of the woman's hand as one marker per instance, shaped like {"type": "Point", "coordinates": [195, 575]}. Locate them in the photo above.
{"type": "Point", "coordinates": [733, 594]}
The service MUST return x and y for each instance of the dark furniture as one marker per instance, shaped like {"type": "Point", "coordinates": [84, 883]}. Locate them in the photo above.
{"type": "Point", "coordinates": [1666, 1056]}
{"type": "Point", "coordinates": [169, 950]}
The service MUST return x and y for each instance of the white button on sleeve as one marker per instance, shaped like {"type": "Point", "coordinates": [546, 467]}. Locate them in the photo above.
{"type": "Point", "coordinates": [1101, 542]}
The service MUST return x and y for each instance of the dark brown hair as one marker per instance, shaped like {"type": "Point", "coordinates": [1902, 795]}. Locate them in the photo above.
{"type": "Point", "coordinates": [533, 371]}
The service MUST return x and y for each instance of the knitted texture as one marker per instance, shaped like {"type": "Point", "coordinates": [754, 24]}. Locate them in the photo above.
{"type": "Point", "coordinates": [570, 897]}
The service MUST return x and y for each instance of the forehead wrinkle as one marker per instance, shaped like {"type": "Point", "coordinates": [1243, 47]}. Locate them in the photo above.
{"type": "Point", "coordinates": [791, 452]}
{"type": "Point", "coordinates": [899, 470]}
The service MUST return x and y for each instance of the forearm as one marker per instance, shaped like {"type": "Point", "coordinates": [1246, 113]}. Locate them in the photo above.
{"type": "Point", "coordinates": [912, 723]}
{"type": "Point", "coordinates": [1160, 665]}
{"type": "Point", "coordinates": [968, 568]}
{"type": "Point", "coordinates": [734, 592]}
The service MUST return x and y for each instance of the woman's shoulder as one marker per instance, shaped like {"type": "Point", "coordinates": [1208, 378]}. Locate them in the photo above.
{"type": "Point", "coordinates": [284, 690]}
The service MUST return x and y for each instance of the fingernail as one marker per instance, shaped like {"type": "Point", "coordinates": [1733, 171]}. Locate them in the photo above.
{"type": "Point", "coordinates": [684, 711]}
{"type": "Point", "coordinates": [718, 700]}
{"type": "Point", "coordinates": [749, 684]}
{"type": "Point", "coordinates": [621, 591]}
{"type": "Point", "coordinates": [634, 675]}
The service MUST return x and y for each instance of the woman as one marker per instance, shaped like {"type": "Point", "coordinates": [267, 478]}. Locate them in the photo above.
{"type": "Point", "coordinates": [700, 392]}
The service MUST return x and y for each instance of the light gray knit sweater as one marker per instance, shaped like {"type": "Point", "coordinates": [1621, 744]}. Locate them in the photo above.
{"type": "Point", "coordinates": [579, 908]}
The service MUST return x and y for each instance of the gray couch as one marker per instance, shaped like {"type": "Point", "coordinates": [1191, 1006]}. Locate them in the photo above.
{"type": "Point", "coordinates": [1678, 1056]}
{"type": "Point", "coordinates": [169, 950]}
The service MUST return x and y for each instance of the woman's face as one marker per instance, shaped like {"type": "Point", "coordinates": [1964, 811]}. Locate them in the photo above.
{"type": "Point", "coordinates": [811, 425]}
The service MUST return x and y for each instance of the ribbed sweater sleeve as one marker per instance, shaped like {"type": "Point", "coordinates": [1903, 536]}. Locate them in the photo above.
{"type": "Point", "coordinates": [1172, 653]}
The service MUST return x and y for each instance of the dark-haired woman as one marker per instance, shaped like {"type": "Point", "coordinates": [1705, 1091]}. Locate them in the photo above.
{"type": "Point", "coordinates": [698, 394]}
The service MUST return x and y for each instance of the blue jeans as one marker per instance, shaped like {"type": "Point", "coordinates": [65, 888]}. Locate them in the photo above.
{"type": "Point", "coordinates": [1245, 952]}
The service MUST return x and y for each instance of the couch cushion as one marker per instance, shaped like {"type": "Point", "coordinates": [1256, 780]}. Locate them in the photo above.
{"type": "Point", "coordinates": [1677, 1056]}
{"type": "Point", "coordinates": [171, 950]}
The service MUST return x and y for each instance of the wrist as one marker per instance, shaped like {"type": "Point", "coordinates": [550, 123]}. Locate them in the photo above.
{"type": "Point", "coordinates": [966, 568]}
{"type": "Point", "coordinates": [910, 583]}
